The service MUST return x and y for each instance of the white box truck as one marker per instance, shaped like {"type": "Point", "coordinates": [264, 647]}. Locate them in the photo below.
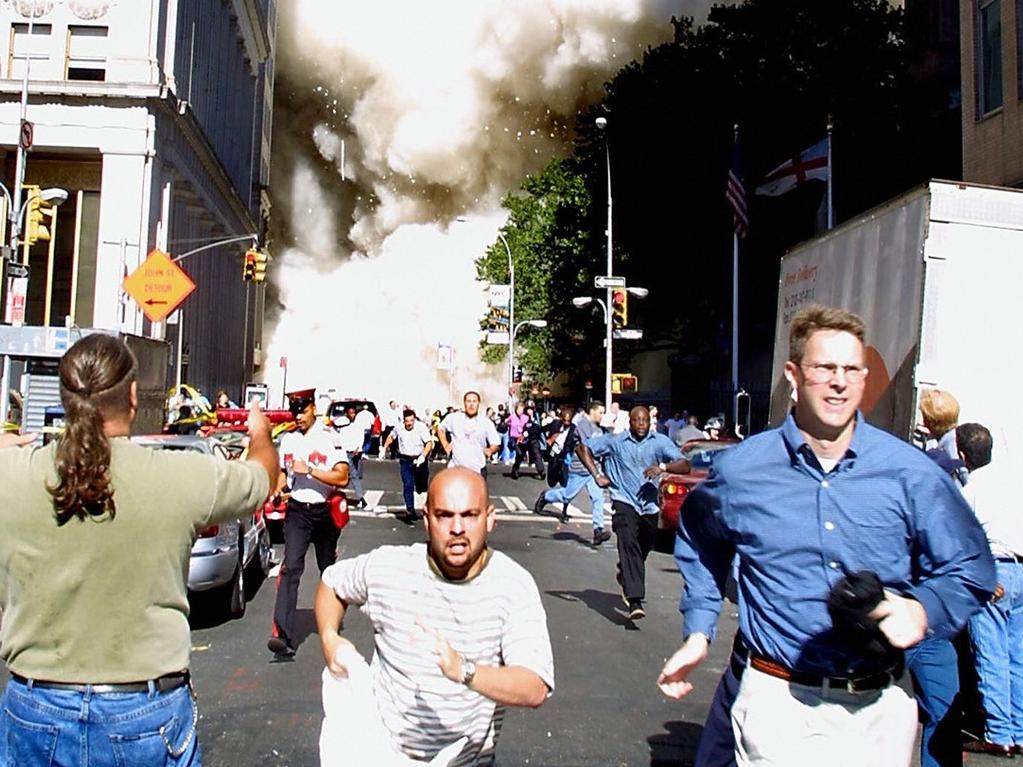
{"type": "Point", "coordinates": [937, 275]}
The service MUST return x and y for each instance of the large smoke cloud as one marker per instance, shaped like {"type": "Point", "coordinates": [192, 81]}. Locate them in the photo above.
{"type": "Point", "coordinates": [394, 118]}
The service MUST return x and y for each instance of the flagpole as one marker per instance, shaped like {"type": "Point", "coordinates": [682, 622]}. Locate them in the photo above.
{"type": "Point", "coordinates": [831, 207]}
{"type": "Point", "coordinates": [735, 307]}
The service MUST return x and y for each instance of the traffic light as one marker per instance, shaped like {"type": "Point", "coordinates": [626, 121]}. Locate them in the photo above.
{"type": "Point", "coordinates": [38, 218]}
{"type": "Point", "coordinates": [624, 383]}
{"type": "Point", "coordinates": [249, 266]}
{"type": "Point", "coordinates": [259, 274]}
{"type": "Point", "coordinates": [620, 307]}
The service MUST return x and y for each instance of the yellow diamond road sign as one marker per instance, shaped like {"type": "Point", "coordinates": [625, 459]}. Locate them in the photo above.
{"type": "Point", "coordinates": [158, 285]}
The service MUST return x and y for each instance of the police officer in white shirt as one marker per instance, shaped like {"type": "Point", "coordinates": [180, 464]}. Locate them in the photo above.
{"type": "Point", "coordinates": [415, 443]}
{"type": "Point", "coordinates": [314, 469]}
{"type": "Point", "coordinates": [467, 437]}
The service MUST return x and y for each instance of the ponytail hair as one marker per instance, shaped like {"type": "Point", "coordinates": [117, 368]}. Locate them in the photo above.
{"type": "Point", "coordinates": [95, 385]}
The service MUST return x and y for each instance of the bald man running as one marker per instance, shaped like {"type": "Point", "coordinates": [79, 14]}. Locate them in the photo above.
{"type": "Point", "coordinates": [458, 628]}
{"type": "Point", "coordinates": [633, 461]}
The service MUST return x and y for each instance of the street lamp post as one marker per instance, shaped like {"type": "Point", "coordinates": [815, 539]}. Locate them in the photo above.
{"type": "Point", "coordinates": [581, 301]}
{"type": "Point", "coordinates": [511, 318]}
{"type": "Point", "coordinates": [601, 123]}
{"type": "Point", "coordinates": [511, 351]}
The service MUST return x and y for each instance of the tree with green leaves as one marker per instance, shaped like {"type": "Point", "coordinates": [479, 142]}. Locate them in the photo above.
{"type": "Point", "coordinates": [551, 243]}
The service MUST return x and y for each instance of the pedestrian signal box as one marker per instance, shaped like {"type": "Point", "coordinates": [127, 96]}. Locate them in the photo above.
{"type": "Point", "coordinates": [624, 383]}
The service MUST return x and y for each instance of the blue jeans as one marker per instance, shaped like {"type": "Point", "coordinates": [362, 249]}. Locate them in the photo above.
{"type": "Point", "coordinates": [996, 633]}
{"type": "Point", "coordinates": [506, 453]}
{"type": "Point", "coordinates": [935, 671]}
{"type": "Point", "coordinates": [575, 484]}
{"type": "Point", "coordinates": [42, 727]}
{"type": "Point", "coordinates": [355, 474]}
{"type": "Point", "coordinates": [408, 483]}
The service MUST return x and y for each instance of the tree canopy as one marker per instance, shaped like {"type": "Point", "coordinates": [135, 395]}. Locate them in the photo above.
{"type": "Point", "coordinates": [778, 70]}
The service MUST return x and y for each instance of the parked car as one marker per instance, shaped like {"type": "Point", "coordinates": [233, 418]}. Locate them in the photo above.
{"type": "Point", "coordinates": [675, 487]}
{"type": "Point", "coordinates": [226, 557]}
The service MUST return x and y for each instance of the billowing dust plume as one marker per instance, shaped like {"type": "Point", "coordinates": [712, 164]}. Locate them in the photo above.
{"type": "Point", "coordinates": [393, 119]}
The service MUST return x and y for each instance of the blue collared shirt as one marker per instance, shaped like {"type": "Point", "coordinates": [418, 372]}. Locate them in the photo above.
{"type": "Point", "coordinates": [884, 507]}
{"type": "Point", "coordinates": [626, 458]}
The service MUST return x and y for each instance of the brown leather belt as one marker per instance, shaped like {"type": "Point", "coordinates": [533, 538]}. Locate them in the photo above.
{"type": "Point", "coordinates": [742, 657]}
{"type": "Point", "coordinates": [165, 683]}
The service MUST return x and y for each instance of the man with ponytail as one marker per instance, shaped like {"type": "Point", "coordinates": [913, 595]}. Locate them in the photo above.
{"type": "Point", "coordinates": [97, 536]}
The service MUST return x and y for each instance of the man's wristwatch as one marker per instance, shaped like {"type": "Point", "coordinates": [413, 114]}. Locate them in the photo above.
{"type": "Point", "coordinates": [662, 466]}
{"type": "Point", "coordinates": [468, 671]}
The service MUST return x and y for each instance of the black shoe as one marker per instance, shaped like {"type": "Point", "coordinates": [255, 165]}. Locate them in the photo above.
{"type": "Point", "coordinates": [514, 475]}
{"type": "Point", "coordinates": [361, 503]}
{"type": "Point", "coordinates": [564, 516]}
{"type": "Point", "coordinates": [541, 502]}
{"type": "Point", "coordinates": [600, 535]}
{"type": "Point", "coordinates": [408, 517]}
{"type": "Point", "coordinates": [636, 610]}
{"type": "Point", "coordinates": [280, 646]}
{"type": "Point", "coordinates": [541, 477]}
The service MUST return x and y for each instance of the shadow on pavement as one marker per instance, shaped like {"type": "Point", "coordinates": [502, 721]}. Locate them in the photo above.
{"type": "Point", "coordinates": [676, 747]}
{"type": "Point", "coordinates": [601, 602]}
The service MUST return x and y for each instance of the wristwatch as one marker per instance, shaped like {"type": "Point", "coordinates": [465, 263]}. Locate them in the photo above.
{"type": "Point", "coordinates": [468, 671]}
{"type": "Point", "coordinates": [662, 467]}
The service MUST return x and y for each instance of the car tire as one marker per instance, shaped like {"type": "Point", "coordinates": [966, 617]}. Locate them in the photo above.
{"type": "Point", "coordinates": [234, 590]}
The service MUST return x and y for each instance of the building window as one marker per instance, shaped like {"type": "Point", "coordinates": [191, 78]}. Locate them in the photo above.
{"type": "Point", "coordinates": [988, 56]}
{"type": "Point", "coordinates": [24, 46]}
{"type": "Point", "coordinates": [86, 53]}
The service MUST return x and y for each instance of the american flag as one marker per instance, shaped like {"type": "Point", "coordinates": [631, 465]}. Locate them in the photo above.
{"type": "Point", "coordinates": [735, 193]}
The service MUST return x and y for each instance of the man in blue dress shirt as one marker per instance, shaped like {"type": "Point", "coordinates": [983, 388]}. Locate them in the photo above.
{"type": "Point", "coordinates": [633, 461]}
{"type": "Point", "coordinates": [824, 496]}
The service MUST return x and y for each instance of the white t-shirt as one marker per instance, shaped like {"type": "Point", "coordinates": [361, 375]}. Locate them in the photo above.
{"type": "Point", "coordinates": [412, 441]}
{"type": "Point", "coordinates": [992, 497]}
{"type": "Point", "coordinates": [365, 419]}
{"type": "Point", "coordinates": [315, 447]}
{"type": "Point", "coordinates": [469, 437]}
{"type": "Point", "coordinates": [621, 422]}
{"type": "Point", "coordinates": [496, 619]}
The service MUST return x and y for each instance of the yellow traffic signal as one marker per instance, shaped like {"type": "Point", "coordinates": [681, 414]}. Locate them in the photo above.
{"type": "Point", "coordinates": [38, 218]}
{"type": "Point", "coordinates": [249, 266]}
{"type": "Point", "coordinates": [620, 307]}
{"type": "Point", "coordinates": [259, 275]}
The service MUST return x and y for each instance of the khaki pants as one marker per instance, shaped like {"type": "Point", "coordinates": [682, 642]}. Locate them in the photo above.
{"type": "Point", "coordinates": [779, 724]}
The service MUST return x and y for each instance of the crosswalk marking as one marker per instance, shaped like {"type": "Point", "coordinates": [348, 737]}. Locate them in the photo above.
{"type": "Point", "coordinates": [372, 497]}
{"type": "Point", "coordinates": [513, 503]}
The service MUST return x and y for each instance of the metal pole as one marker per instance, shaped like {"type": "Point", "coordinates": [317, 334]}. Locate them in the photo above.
{"type": "Point", "coordinates": [19, 170]}
{"type": "Point", "coordinates": [735, 326]}
{"type": "Point", "coordinates": [245, 339]}
{"type": "Point", "coordinates": [610, 318]}
{"type": "Point", "coordinates": [511, 320]}
{"type": "Point", "coordinates": [831, 207]}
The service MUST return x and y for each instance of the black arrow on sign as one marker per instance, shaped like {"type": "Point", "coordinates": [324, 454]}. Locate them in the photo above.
{"type": "Point", "coordinates": [152, 301]}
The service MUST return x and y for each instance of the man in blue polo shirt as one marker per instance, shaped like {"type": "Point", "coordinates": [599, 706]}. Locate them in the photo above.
{"type": "Point", "coordinates": [633, 461]}
{"type": "Point", "coordinates": [808, 507]}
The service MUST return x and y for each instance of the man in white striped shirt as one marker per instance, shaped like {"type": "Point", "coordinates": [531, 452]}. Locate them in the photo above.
{"type": "Point", "coordinates": [459, 629]}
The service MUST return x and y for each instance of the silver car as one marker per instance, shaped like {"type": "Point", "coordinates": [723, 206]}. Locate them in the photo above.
{"type": "Point", "coordinates": [223, 556]}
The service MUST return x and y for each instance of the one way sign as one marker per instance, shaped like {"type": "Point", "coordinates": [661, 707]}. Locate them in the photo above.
{"type": "Point", "coordinates": [158, 286]}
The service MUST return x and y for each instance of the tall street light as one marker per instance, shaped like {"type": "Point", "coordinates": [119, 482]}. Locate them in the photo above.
{"type": "Point", "coordinates": [580, 302]}
{"type": "Point", "coordinates": [511, 349]}
{"type": "Point", "coordinates": [511, 316]}
{"type": "Point", "coordinates": [601, 123]}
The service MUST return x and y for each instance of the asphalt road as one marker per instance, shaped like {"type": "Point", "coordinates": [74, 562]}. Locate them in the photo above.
{"type": "Point", "coordinates": [605, 710]}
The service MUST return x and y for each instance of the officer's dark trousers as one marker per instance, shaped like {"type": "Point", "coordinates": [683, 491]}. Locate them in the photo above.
{"type": "Point", "coordinates": [636, 534]}
{"type": "Point", "coordinates": [303, 524]}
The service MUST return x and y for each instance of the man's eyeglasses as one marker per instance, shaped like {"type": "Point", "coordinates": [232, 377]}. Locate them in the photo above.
{"type": "Point", "coordinates": [825, 372]}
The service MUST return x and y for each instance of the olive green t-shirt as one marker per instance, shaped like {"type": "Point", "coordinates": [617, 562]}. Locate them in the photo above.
{"type": "Point", "coordinates": [105, 600]}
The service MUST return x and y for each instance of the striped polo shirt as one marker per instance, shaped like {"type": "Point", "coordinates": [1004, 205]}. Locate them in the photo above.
{"type": "Point", "coordinates": [494, 619]}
